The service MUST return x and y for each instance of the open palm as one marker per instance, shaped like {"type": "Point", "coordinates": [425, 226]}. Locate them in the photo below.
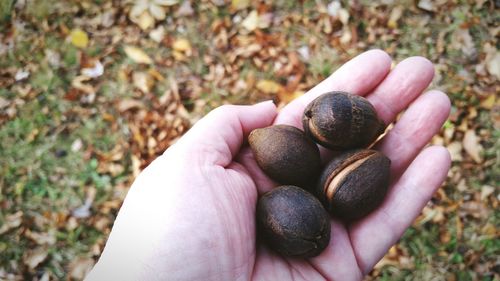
{"type": "Point", "coordinates": [191, 214]}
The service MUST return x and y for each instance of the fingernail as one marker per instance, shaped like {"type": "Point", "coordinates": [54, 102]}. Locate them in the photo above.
{"type": "Point", "coordinates": [265, 102]}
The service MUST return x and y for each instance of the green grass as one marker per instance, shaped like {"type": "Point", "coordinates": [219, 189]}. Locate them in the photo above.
{"type": "Point", "coordinates": [42, 176]}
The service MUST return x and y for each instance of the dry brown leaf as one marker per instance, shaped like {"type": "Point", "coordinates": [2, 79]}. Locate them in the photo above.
{"type": "Point", "coordinates": [251, 22]}
{"type": "Point", "coordinates": [486, 191]}
{"type": "Point", "coordinates": [472, 146]}
{"type": "Point", "coordinates": [493, 62]}
{"type": "Point", "coordinates": [240, 4]}
{"type": "Point", "coordinates": [287, 97]}
{"type": "Point", "coordinates": [181, 45]}
{"type": "Point", "coordinates": [42, 238]}
{"type": "Point", "coordinates": [157, 34]}
{"type": "Point", "coordinates": [455, 149]}
{"type": "Point", "coordinates": [79, 268]}
{"type": "Point", "coordinates": [488, 103]}
{"type": "Point", "coordinates": [32, 258]}
{"type": "Point", "coordinates": [427, 5]}
{"type": "Point", "coordinates": [94, 70]}
{"type": "Point", "coordinates": [269, 86]}
{"type": "Point", "coordinates": [11, 221]}
{"type": "Point", "coordinates": [396, 14]}
{"type": "Point", "coordinates": [137, 55]}
{"type": "Point", "coordinates": [143, 81]}
{"type": "Point", "coordinates": [79, 84]}
{"type": "Point", "coordinates": [185, 9]}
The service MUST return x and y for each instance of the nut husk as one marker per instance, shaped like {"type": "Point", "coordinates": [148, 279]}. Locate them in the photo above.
{"type": "Point", "coordinates": [293, 222]}
{"type": "Point", "coordinates": [286, 155]}
{"type": "Point", "coordinates": [354, 183]}
{"type": "Point", "coordinates": [340, 121]}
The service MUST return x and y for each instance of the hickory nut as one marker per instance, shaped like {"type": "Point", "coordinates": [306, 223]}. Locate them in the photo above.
{"type": "Point", "coordinates": [340, 121]}
{"type": "Point", "coordinates": [354, 183]}
{"type": "Point", "coordinates": [293, 222]}
{"type": "Point", "coordinates": [286, 155]}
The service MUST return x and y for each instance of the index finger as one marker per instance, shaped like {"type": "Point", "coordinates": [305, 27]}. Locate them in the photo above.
{"type": "Point", "coordinates": [359, 76]}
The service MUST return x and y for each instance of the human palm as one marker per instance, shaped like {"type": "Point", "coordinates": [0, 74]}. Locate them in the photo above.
{"type": "Point", "coordinates": [191, 214]}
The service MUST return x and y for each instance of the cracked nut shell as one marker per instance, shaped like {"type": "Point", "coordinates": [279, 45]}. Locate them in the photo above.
{"type": "Point", "coordinates": [354, 183]}
{"type": "Point", "coordinates": [293, 222]}
{"type": "Point", "coordinates": [286, 155]}
{"type": "Point", "coordinates": [340, 121]}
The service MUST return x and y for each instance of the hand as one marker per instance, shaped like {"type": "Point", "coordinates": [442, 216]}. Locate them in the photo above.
{"type": "Point", "coordinates": [190, 215]}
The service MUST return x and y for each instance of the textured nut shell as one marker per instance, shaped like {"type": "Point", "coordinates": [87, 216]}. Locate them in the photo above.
{"type": "Point", "coordinates": [286, 155]}
{"type": "Point", "coordinates": [293, 222]}
{"type": "Point", "coordinates": [354, 183]}
{"type": "Point", "coordinates": [340, 121]}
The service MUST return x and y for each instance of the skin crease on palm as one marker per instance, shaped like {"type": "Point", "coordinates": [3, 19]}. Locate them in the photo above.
{"type": "Point", "coordinates": [190, 215]}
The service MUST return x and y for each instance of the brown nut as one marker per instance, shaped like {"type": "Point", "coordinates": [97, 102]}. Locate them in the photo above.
{"type": "Point", "coordinates": [339, 121]}
{"type": "Point", "coordinates": [293, 222]}
{"type": "Point", "coordinates": [286, 155]}
{"type": "Point", "coordinates": [354, 183]}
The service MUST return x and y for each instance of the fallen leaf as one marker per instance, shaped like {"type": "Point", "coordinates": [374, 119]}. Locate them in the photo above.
{"type": "Point", "coordinates": [94, 71]}
{"type": "Point", "coordinates": [157, 11]}
{"type": "Point", "coordinates": [166, 2]}
{"type": "Point", "coordinates": [4, 102]}
{"type": "Point", "coordinates": [185, 9]}
{"type": "Point", "coordinates": [475, 209]}
{"type": "Point", "coordinates": [287, 97]}
{"type": "Point", "coordinates": [181, 45]}
{"type": "Point", "coordinates": [304, 52]}
{"type": "Point", "coordinates": [21, 75]}
{"type": "Point", "coordinates": [11, 221]}
{"type": "Point", "coordinates": [268, 86]}
{"type": "Point", "coordinates": [251, 22]}
{"type": "Point", "coordinates": [426, 5]}
{"type": "Point", "coordinates": [489, 102]}
{"type": "Point", "coordinates": [144, 20]}
{"type": "Point", "coordinates": [80, 267]}
{"type": "Point", "coordinates": [455, 149]}
{"type": "Point", "coordinates": [79, 84]}
{"type": "Point", "coordinates": [79, 38]}
{"type": "Point", "coordinates": [240, 4]}
{"type": "Point", "coordinates": [472, 146]}
{"type": "Point", "coordinates": [396, 14]}
{"type": "Point", "coordinates": [76, 145]}
{"type": "Point", "coordinates": [486, 191]}
{"type": "Point", "coordinates": [143, 81]}
{"type": "Point", "coordinates": [32, 258]}
{"type": "Point", "coordinates": [42, 238]}
{"type": "Point", "coordinates": [157, 34]}
{"type": "Point", "coordinates": [127, 104]}
{"type": "Point", "coordinates": [137, 55]}
{"type": "Point", "coordinates": [493, 63]}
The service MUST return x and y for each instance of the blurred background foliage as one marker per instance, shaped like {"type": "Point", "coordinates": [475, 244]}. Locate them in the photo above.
{"type": "Point", "coordinates": [92, 91]}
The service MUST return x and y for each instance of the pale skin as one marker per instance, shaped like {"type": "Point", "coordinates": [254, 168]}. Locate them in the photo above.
{"type": "Point", "coordinates": [190, 215]}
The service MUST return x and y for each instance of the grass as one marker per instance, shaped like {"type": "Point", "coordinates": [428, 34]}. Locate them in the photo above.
{"type": "Point", "coordinates": [46, 176]}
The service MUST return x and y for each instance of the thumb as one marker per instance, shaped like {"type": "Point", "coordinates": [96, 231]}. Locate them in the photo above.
{"type": "Point", "coordinates": [220, 134]}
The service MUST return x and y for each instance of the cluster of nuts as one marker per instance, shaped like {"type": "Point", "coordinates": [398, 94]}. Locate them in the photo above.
{"type": "Point", "coordinates": [293, 218]}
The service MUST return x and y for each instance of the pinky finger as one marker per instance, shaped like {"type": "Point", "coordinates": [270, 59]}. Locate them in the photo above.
{"type": "Point", "coordinates": [375, 234]}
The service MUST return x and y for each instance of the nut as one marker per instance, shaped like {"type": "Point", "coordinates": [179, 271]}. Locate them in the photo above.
{"type": "Point", "coordinates": [293, 222]}
{"type": "Point", "coordinates": [286, 155]}
{"type": "Point", "coordinates": [340, 121]}
{"type": "Point", "coordinates": [354, 183]}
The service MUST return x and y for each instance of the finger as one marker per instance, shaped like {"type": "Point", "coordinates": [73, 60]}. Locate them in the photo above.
{"type": "Point", "coordinates": [403, 84]}
{"type": "Point", "coordinates": [414, 130]}
{"type": "Point", "coordinates": [338, 261]}
{"type": "Point", "coordinates": [375, 234]}
{"type": "Point", "coordinates": [262, 181]}
{"type": "Point", "coordinates": [360, 75]}
{"type": "Point", "coordinates": [218, 137]}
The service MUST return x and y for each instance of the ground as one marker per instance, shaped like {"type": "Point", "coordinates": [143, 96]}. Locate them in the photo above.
{"type": "Point", "coordinates": [92, 91]}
